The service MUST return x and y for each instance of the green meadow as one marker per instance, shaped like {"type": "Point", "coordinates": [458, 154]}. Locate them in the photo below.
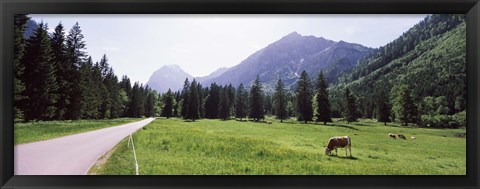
{"type": "Point", "coordinates": [215, 147]}
{"type": "Point", "coordinates": [44, 130]}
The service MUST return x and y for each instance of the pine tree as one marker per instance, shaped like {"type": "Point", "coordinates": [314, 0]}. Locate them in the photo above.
{"type": "Point", "coordinates": [19, 51]}
{"type": "Point", "coordinates": [193, 109]}
{"type": "Point", "coordinates": [126, 87]}
{"type": "Point", "coordinates": [403, 106]}
{"type": "Point", "coordinates": [111, 82]}
{"type": "Point", "coordinates": [224, 104]}
{"type": "Point", "coordinates": [280, 101]}
{"type": "Point", "coordinates": [89, 84]}
{"type": "Point", "coordinates": [39, 77]}
{"type": "Point", "coordinates": [211, 102]}
{"type": "Point", "coordinates": [75, 56]}
{"type": "Point", "coordinates": [256, 100]}
{"type": "Point", "coordinates": [150, 104]}
{"type": "Point", "coordinates": [168, 100]}
{"type": "Point", "coordinates": [241, 102]}
{"type": "Point", "coordinates": [59, 56]}
{"type": "Point", "coordinates": [185, 98]}
{"type": "Point", "coordinates": [105, 108]}
{"type": "Point", "coordinates": [383, 109]}
{"type": "Point", "coordinates": [231, 99]}
{"type": "Point", "coordinates": [351, 113]}
{"type": "Point", "coordinates": [321, 98]}
{"type": "Point", "coordinates": [304, 98]}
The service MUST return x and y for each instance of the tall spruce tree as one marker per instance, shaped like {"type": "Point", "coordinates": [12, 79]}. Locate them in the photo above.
{"type": "Point", "coordinates": [193, 106]}
{"type": "Point", "coordinates": [107, 85]}
{"type": "Point", "coordinates": [150, 104]}
{"type": "Point", "coordinates": [59, 57]}
{"type": "Point", "coordinates": [321, 98]}
{"type": "Point", "coordinates": [168, 101]}
{"type": "Point", "coordinates": [185, 98]}
{"type": "Point", "coordinates": [351, 112]}
{"type": "Point", "coordinates": [383, 114]}
{"type": "Point", "coordinates": [75, 56]}
{"type": "Point", "coordinates": [211, 102]}
{"type": "Point", "coordinates": [241, 102]}
{"type": "Point", "coordinates": [126, 87]}
{"type": "Point", "coordinates": [404, 108]}
{"type": "Point", "coordinates": [20, 21]}
{"type": "Point", "coordinates": [256, 100]}
{"type": "Point", "coordinates": [224, 104]}
{"type": "Point", "coordinates": [304, 98]}
{"type": "Point", "coordinates": [39, 77]}
{"type": "Point", "coordinates": [280, 101]}
{"type": "Point", "coordinates": [90, 83]}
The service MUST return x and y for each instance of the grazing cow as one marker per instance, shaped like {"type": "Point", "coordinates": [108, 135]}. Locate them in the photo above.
{"type": "Point", "coordinates": [412, 137]}
{"type": "Point", "coordinates": [391, 135]}
{"type": "Point", "coordinates": [339, 142]}
{"type": "Point", "coordinates": [269, 122]}
{"type": "Point", "coordinates": [402, 136]}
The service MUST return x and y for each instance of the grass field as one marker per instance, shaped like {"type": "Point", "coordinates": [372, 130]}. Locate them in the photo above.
{"type": "Point", "coordinates": [214, 147]}
{"type": "Point", "coordinates": [44, 130]}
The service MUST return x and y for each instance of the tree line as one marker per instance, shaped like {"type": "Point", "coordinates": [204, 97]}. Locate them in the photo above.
{"type": "Point", "coordinates": [55, 79]}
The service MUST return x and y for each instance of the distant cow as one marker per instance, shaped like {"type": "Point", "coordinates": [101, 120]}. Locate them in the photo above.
{"type": "Point", "coordinates": [269, 122]}
{"type": "Point", "coordinates": [402, 136]}
{"type": "Point", "coordinates": [339, 142]}
{"type": "Point", "coordinates": [391, 135]}
{"type": "Point", "coordinates": [412, 137]}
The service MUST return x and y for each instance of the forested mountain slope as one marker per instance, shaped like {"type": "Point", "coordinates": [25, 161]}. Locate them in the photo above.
{"type": "Point", "coordinates": [435, 67]}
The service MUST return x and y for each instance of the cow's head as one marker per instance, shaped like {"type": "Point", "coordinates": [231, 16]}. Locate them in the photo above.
{"type": "Point", "coordinates": [327, 151]}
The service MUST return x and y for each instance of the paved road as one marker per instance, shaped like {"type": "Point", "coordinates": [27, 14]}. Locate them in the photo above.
{"type": "Point", "coordinates": [70, 155]}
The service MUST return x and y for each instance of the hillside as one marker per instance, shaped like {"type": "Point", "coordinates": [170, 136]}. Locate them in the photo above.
{"type": "Point", "coordinates": [430, 68]}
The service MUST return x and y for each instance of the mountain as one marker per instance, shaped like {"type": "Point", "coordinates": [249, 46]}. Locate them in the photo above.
{"type": "Point", "coordinates": [168, 77]}
{"type": "Point", "coordinates": [430, 58]}
{"type": "Point", "coordinates": [289, 56]}
{"type": "Point", "coordinates": [30, 28]}
{"type": "Point", "coordinates": [214, 74]}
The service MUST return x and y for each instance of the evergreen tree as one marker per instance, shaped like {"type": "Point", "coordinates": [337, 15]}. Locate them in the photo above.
{"type": "Point", "coordinates": [106, 87]}
{"type": "Point", "coordinates": [111, 82]}
{"type": "Point", "coordinates": [193, 108]}
{"type": "Point", "coordinates": [280, 101]}
{"type": "Point", "coordinates": [59, 52]}
{"type": "Point", "coordinates": [304, 98]}
{"type": "Point", "coordinates": [126, 87]}
{"type": "Point", "coordinates": [224, 104]}
{"type": "Point", "coordinates": [39, 77]}
{"type": "Point", "coordinates": [231, 99]}
{"type": "Point", "coordinates": [211, 102]}
{"type": "Point", "coordinates": [168, 100]}
{"type": "Point", "coordinates": [241, 102]}
{"type": "Point", "coordinates": [383, 109]}
{"type": "Point", "coordinates": [185, 98]}
{"type": "Point", "coordinates": [75, 56]}
{"type": "Point", "coordinates": [321, 98]}
{"type": "Point", "coordinates": [19, 50]}
{"type": "Point", "coordinates": [404, 108]}
{"type": "Point", "coordinates": [90, 84]}
{"type": "Point", "coordinates": [351, 113]}
{"type": "Point", "coordinates": [256, 100]}
{"type": "Point", "coordinates": [150, 104]}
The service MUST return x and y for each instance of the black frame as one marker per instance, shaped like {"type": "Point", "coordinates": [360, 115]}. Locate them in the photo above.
{"type": "Point", "coordinates": [10, 7]}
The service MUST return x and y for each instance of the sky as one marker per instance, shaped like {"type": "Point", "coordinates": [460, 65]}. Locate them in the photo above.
{"type": "Point", "coordinates": [138, 45]}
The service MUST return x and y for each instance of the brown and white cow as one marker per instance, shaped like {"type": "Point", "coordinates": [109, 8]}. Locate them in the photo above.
{"type": "Point", "coordinates": [339, 142]}
{"type": "Point", "coordinates": [402, 136]}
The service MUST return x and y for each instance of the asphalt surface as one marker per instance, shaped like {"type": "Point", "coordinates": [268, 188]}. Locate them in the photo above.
{"type": "Point", "coordinates": [70, 155]}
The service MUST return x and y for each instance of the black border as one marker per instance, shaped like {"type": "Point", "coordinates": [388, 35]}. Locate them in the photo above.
{"type": "Point", "coordinates": [10, 7]}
